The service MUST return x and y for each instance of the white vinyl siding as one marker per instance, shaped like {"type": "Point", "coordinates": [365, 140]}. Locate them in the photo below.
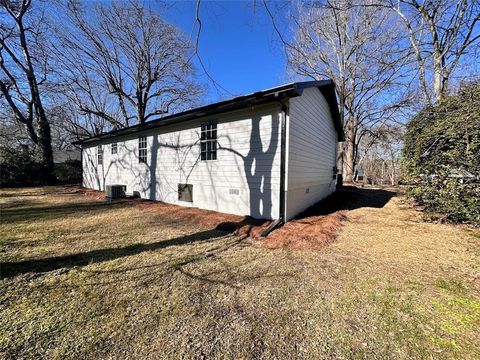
{"type": "Point", "coordinates": [311, 151]}
{"type": "Point", "coordinates": [245, 177]}
{"type": "Point", "coordinates": [243, 180]}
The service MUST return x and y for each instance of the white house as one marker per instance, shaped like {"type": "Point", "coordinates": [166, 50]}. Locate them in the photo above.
{"type": "Point", "coordinates": [268, 155]}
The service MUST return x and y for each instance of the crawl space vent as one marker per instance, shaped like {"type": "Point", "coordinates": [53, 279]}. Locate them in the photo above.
{"type": "Point", "coordinates": [185, 192]}
{"type": "Point", "coordinates": [234, 191]}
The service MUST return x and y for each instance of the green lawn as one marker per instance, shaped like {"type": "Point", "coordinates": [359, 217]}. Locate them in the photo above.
{"type": "Point", "coordinates": [81, 278]}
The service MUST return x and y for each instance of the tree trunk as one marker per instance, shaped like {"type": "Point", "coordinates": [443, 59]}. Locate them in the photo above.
{"type": "Point", "coordinates": [46, 153]}
{"type": "Point", "coordinates": [394, 168]}
{"type": "Point", "coordinates": [340, 156]}
{"type": "Point", "coordinates": [44, 136]}
{"type": "Point", "coordinates": [439, 78]}
{"type": "Point", "coordinates": [349, 151]}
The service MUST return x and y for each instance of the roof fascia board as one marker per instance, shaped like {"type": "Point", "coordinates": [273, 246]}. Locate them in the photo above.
{"type": "Point", "coordinates": [195, 114]}
{"type": "Point", "coordinates": [326, 87]}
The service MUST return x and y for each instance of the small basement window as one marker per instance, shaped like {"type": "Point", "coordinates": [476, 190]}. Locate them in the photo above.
{"type": "Point", "coordinates": [185, 192]}
{"type": "Point", "coordinates": [99, 155]}
{"type": "Point", "coordinates": [114, 148]}
{"type": "Point", "coordinates": [208, 141]}
{"type": "Point", "coordinates": [142, 149]}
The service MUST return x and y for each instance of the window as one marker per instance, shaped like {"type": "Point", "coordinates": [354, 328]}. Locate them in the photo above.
{"type": "Point", "coordinates": [185, 192]}
{"type": "Point", "coordinates": [208, 141]}
{"type": "Point", "coordinates": [142, 149]}
{"type": "Point", "coordinates": [114, 148]}
{"type": "Point", "coordinates": [99, 155]}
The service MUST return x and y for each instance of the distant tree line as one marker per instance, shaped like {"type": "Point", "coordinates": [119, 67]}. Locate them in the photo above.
{"type": "Point", "coordinates": [388, 58]}
{"type": "Point", "coordinates": [72, 69]}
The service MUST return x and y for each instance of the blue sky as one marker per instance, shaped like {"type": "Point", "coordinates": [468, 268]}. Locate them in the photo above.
{"type": "Point", "coordinates": [238, 44]}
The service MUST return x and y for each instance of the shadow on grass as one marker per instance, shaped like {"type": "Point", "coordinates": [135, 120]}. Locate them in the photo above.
{"type": "Point", "coordinates": [349, 198]}
{"type": "Point", "coordinates": [12, 215]}
{"type": "Point", "coordinates": [16, 194]}
{"type": "Point", "coordinates": [20, 203]}
{"type": "Point", "coordinates": [10, 269]}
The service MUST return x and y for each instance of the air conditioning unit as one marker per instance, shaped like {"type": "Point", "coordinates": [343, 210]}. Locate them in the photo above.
{"type": "Point", "coordinates": [115, 191]}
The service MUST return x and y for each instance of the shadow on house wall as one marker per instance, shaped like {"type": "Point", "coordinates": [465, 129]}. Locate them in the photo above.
{"type": "Point", "coordinates": [255, 164]}
{"type": "Point", "coordinates": [256, 161]}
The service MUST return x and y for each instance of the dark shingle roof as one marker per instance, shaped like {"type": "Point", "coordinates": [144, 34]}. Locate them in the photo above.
{"type": "Point", "coordinates": [327, 88]}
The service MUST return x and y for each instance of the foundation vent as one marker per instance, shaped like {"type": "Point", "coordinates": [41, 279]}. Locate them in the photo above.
{"type": "Point", "coordinates": [185, 192]}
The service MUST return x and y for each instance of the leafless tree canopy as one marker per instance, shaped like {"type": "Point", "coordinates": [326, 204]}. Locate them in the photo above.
{"type": "Point", "coordinates": [24, 71]}
{"type": "Point", "coordinates": [106, 65]}
{"type": "Point", "coordinates": [125, 65]}
{"type": "Point", "coordinates": [359, 49]}
{"type": "Point", "coordinates": [380, 54]}
{"type": "Point", "coordinates": [441, 34]}
{"type": "Point", "coordinates": [379, 154]}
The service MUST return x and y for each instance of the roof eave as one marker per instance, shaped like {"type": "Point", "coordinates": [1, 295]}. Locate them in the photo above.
{"type": "Point", "coordinates": [254, 99]}
{"type": "Point", "coordinates": [326, 87]}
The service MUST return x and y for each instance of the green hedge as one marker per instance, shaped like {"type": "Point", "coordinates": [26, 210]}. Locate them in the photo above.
{"type": "Point", "coordinates": [69, 172]}
{"type": "Point", "coordinates": [19, 167]}
{"type": "Point", "coordinates": [441, 154]}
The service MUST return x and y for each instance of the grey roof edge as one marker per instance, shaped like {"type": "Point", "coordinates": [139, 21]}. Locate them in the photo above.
{"type": "Point", "coordinates": [326, 87]}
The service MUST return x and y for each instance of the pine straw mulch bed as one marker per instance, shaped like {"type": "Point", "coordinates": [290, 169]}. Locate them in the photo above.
{"type": "Point", "coordinates": [313, 229]}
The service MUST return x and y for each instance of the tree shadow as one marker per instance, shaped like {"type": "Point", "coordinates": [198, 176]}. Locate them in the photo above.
{"type": "Point", "coordinates": [259, 182]}
{"type": "Point", "coordinates": [258, 165]}
{"type": "Point", "coordinates": [19, 203]}
{"type": "Point", "coordinates": [24, 194]}
{"type": "Point", "coordinates": [13, 268]}
{"type": "Point", "coordinates": [12, 215]}
{"type": "Point", "coordinates": [349, 198]}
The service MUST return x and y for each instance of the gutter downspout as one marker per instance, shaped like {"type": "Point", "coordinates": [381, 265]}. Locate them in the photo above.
{"type": "Point", "coordinates": [81, 162]}
{"type": "Point", "coordinates": [283, 139]}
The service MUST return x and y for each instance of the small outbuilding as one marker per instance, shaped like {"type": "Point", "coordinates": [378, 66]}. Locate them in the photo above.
{"type": "Point", "coordinates": [269, 155]}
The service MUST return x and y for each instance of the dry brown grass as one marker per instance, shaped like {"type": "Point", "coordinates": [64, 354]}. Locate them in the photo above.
{"type": "Point", "coordinates": [81, 278]}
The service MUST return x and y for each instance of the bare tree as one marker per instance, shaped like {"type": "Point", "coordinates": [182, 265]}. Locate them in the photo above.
{"type": "Point", "coordinates": [23, 72]}
{"type": "Point", "coordinates": [125, 65]}
{"type": "Point", "coordinates": [358, 48]}
{"type": "Point", "coordinates": [440, 33]}
{"type": "Point", "coordinates": [380, 154]}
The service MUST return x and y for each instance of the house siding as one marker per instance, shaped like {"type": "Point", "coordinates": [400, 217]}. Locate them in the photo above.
{"type": "Point", "coordinates": [311, 152]}
{"type": "Point", "coordinates": [248, 161]}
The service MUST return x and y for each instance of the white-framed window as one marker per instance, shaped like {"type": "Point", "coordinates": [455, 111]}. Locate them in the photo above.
{"type": "Point", "coordinates": [99, 155]}
{"type": "Point", "coordinates": [208, 140]}
{"type": "Point", "coordinates": [114, 148]}
{"type": "Point", "coordinates": [142, 149]}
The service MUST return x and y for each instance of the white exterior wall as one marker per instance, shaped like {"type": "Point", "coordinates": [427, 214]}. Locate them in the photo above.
{"type": "Point", "coordinates": [311, 152]}
{"type": "Point", "coordinates": [248, 160]}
